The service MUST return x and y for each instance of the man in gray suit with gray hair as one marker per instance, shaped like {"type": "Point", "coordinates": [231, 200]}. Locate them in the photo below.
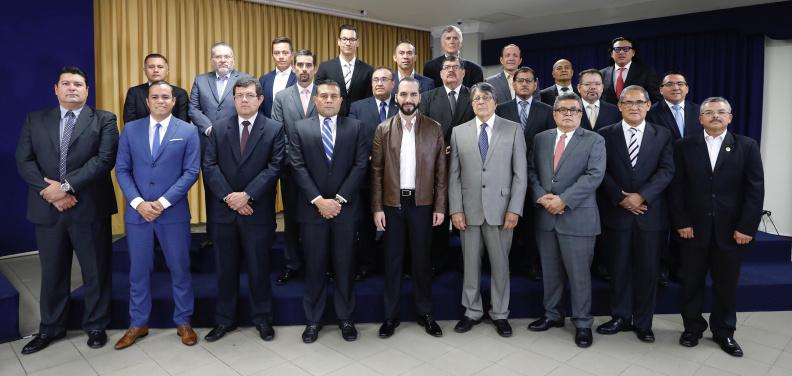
{"type": "Point", "coordinates": [566, 166]}
{"type": "Point", "coordinates": [486, 190]}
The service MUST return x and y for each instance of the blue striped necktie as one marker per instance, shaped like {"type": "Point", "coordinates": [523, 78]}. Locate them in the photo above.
{"type": "Point", "coordinates": [327, 140]}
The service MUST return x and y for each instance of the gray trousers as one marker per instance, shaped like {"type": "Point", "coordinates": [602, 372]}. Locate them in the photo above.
{"type": "Point", "coordinates": [567, 257]}
{"type": "Point", "coordinates": [498, 243]}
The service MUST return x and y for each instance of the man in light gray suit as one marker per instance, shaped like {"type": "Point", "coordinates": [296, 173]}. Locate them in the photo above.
{"type": "Point", "coordinates": [566, 166]}
{"type": "Point", "coordinates": [486, 190]}
{"type": "Point", "coordinates": [502, 82]}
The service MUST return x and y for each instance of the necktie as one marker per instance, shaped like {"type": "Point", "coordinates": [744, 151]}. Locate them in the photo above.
{"type": "Point", "coordinates": [245, 136]}
{"type": "Point", "coordinates": [483, 142]}
{"type": "Point", "coordinates": [347, 75]}
{"type": "Point", "coordinates": [524, 114]}
{"type": "Point", "coordinates": [559, 151]}
{"type": "Point", "coordinates": [71, 119]}
{"type": "Point", "coordinates": [327, 140]}
{"type": "Point", "coordinates": [452, 101]}
{"type": "Point", "coordinates": [382, 112]}
{"type": "Point", "coordinates": [221, 84]}
{"type": "Point", "coordinates": [680, 120]}
{"type": "Point", "coordinates": [592, 114]}
{"type": "Point", "coordinates": [304, 99]}
{"type": "Point", "coordinates": [155, 143]}
{"type": "Point", "coordinates": [619, 82]}
{"type": "Point", "coordinates": [633, 147]}
{"type": "Point", "coordinates": [564, 90]}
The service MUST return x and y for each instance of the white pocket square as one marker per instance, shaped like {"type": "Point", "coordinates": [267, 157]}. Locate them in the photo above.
{"type": "Point", "coordinates": [175, 139]}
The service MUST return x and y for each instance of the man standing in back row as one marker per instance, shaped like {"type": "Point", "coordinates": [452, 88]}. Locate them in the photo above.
{"type": "Point", "coordinates": [451, 41]}
{"type": "Point", "coordinates": [352, 74]}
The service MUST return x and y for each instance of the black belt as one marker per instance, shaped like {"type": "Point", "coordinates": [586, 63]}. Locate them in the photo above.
{"type": "Point", "coordinates": [407, 192]}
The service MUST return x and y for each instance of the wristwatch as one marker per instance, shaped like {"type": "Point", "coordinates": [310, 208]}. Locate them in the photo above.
{"type": "Point", "coordinates": [66, 187]}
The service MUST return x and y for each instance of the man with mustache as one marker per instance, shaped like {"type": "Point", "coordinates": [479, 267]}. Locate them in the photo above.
{"type": "Point", "coordinates": [562, 75]}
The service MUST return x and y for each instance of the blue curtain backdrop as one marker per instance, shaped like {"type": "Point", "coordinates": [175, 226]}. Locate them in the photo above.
{"type": "Point", "coordinates": [722, 52]}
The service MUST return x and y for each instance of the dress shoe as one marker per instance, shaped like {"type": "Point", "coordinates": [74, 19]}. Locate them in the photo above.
{"type": "Point", "coordinates": [361, 275]}
{"type": "Point", "coordinates": [544, 323]}
{"type": "Point", "coordinates": [583, 337]}
{"type": "Point", "coordinates": [729, 345]}
{"type": "Point", "coordinates": [502, 327]}
{"type": "Point", "coordinates": [614, 326]}
{"type": "Point", "coordinates": [97, 338]}
{"type": "Point", "coordinates": [131, 335]}
{"type": "Point", "coordinates": [662, 281]}
{"type": "Point", "coordinates": [406, 276]}
{"type": "Point", "coordinates": [430, 325]}
{"type": "Point", "coordinates": [206, 244]}
{"type": "Point", "coordinates": [266, 332]}
{"type": "Point", "coordinates": [40, 342]}
{"type": "Point", "coordinates": [187, 334]}
{"type": "Point", "coordinates": [535, 273]}
{"type": "Point", "coordinates": [689, 339]}
{"type": "Point", "coordinates": [311, 333]}
{"type": "Point", "coordinates": [348, 331]}
{"type": "Point", "coordinates": [645, 335]}
{"type": "Point", "coordinates": [465, 324]}
{"type": "Point", "coordinates": [286, 275]}
{"type": "Point", "coordinates": [602, 273]}
{"type": "Point", "coordinates": [330, 276]}
{"type": "Point", "coordinates": [388, 327]}
{"type": "Point", "coordinates": [218, 332]}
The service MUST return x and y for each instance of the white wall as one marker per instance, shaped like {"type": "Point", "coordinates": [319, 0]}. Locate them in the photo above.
{"type": "Point", "coordinates": [776, 143]}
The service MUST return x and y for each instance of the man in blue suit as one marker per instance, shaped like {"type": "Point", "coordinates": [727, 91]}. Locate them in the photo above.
{"type": "Point", "coordinates": [158, 161]}
{"type": "Point", "coordinates": [281, 77]}
{"type": "Point", "coordinates": [404, 56]}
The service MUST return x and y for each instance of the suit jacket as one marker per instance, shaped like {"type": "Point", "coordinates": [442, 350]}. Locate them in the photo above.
{"type": "Point", "coordinates": [435, 104]}
{"type": "Point", "coordinates": [724, 200]}
{"type": "Point", "coordinates": [639, 74]}
{"type": "Point", "coordinates": [473, 72]}
{"type": "Point", "coordinates": [367, 112]}
{"type": "Point", "coordinates": [266, 85]}
{"type": "Point", "coordinates": [424, 83]}
{"type": "Point", "coordinates": [580, 171]}
{"type": "Point", "coordinates": [315, 178]}
{"type": "Point", "coordinates": [205, 106]}
{"type": "Point", "coordinates": [135, 106]}
{"type": "Point", "coordinates": [287, 108]}
{"type": "Point", "coordinates": [169, 174]}
{"type": "Point", "coordinates": [663, 115]}
{"type": "Point", "coordinates": [486, 191]}
{"type": "Point", "coordinates": [91, 156]}
{"type": "Point", "coordinates": [608, 114]}
{"type": "Point", "coordinates": [501, 85]}
{"type": "Point", "coordinates": [549, 94]}
{"type": "Point", "coordinates": [540, 118]}
{"type": "Point", "coordinates": [256, 172]}
{"type": "Point", "coordinates": [359, 87]}
{"type": "Point", "coordinates": [650, 177]}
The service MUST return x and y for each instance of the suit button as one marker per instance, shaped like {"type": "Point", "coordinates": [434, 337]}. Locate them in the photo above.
{"type": "Point", "coordinates": [153, 165]}
{"type": "Point", "coordinates": [151, 183]}
{"type": "Point", "coordinates": [554, 181]}
{"type": "Point", "coordinates": [219, 108]}
{"type": "Point", "coordinates": [713, 195]}
{"type": "Point", "coordinates": [483, 169]}
{"type": "Point", "coordinates": [483, 186]}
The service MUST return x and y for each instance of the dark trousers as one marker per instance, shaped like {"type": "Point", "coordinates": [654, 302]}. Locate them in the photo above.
{"type": "Point", "coordinates": [411, 225]}
{"type": "Point", "coordinates": [365, 250]}
{"type": "Point", "coordinates": [440, 236]}
{"type": "Point", "coordinates": [634, 263]}
{"type": "Point", "coordinates": [292, 252]}
{"type": "Point", "coordinates": [232, 242]}
{"type": "Point", "coordinates": [724, 268]}
{"type": "Point", "coordinates": [92, 244]}
{"type": "Point", "coordinates": [323, 242]}
{"type": "Point", "coordinates": [524, 254]}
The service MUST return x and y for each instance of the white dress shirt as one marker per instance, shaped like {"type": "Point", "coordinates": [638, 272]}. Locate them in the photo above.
{"type": "Point", "coordinates": [624, 74]}
{"type": "Point", "coordinates": [407, 156]}
{"type": "Point", "coordinates": [627, 134]}
{"type": "Point", "coordinates": [713, 146]}
{"type": "Point", "coordinates": [281, 79]}
{"type": "Point", "coordinates": [152, 128]}
{"type": "Point", "coordinates": [490, 127]}
{"type": "Point", "coordinates": [387, 106]}
{"type": "Point", "coordinates": [569, 89]}
{"type": "Point", "coordinates": [517, 101]}
{"type": "Point", "coordinates": [589, 107]}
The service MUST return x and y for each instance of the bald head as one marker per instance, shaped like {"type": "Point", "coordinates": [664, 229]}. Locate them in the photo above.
{"type": "Point", "coordinates": [562, 72]}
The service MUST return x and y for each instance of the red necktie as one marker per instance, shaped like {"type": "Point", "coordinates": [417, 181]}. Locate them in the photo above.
{"type": "Point", "coordinates": [559, 151]}
{"type": "Point", "coordinates": [619, 83]}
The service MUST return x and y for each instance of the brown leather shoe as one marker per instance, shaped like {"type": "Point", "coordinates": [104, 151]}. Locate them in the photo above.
{"type": "Point", "coordinates": [131, 335]}
{"type": "Point", "coordinates": [187, 334]}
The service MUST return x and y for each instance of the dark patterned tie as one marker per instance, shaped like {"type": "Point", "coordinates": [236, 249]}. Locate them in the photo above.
{"type": "Point", "coordinates": [382, 114]}
{"type": "Point", "coordinates": [483, 142]}
{"type": "Point", "coordinates": [524, 114]}
{"type": "Point", "coordinates": [68, 128]}
{"type": "Point", "coordinates": [245, 137]}
{"type": "Point", "coordinates": [452, 100]}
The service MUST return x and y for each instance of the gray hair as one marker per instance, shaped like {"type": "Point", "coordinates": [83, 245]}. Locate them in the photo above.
{"type": "Point", "coordinates": [221, 44]}
{"type": "Point", "coordinates": [567, 97]}
{"type": "Point", "coordinates": [452, 28]}
{"type": "Point", "coordinates": [634, 88]}
{"type": "Point", "coordinates": [485, 87]}
{"type": "Point", "coordinates": [714, 100]}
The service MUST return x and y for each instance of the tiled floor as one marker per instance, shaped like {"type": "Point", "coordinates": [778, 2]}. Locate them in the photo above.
{"type": "Point", "coordinates": [766, 338]}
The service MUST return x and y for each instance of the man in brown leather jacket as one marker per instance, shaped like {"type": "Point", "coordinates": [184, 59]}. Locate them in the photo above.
{"type": "Point", "coordinates": [408, 197]}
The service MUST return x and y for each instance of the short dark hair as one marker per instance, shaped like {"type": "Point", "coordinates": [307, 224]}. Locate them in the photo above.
{"type": "Point", "coordinates": [247, 82]}
{"type": "Point", "coordinates": [347, 27]}
{"type": "Point", "coordinates": [71, 70]}
{"type": "Point", "coordinates": [452, 59]}
{"type": "Point", "coordinates": [637, 88]}
{"type": "Point", "coordinates": [282, 40]}
{"type": "Point", "coordinates": [304, 52]}
{"type": "Point", "coordinates": [382, 67]}
{"type": "Point", "coordinates": [328, 82]}
{"type": "Point", "coordinates": [158, 83]}
{"type": "Point", "coordinates": [620, 39]}
{"type": "Point", "coordinates": [591, 71]}
{"type": "Point", "coordinates": [408, 79]}
{"type": "Point", "coordinates": [404, 41]}
{"type": "Point", "coordinates": [675, 72]}
{"type": "Point", "coordinates": [524, 69]}
{"type": "Point", "coordinates": [154, 56]}
{"type": "Point", "coordinates": [485, 87]}
{"type": "Point", "coordinates": [567, 97]}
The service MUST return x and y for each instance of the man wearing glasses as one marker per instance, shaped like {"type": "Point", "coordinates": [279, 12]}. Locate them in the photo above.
{"type": "Point", "coordinates": [626, 71]}
{"type": "Point", "coordinates": [565, 169]}
{"type": "Point", "coordinates": [352, 74]}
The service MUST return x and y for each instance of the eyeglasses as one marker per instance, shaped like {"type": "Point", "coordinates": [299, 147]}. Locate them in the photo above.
{"type": "Point", "coordinates": [568, 111]}
{"type": "Point", "coordinates": [325, 96]}
{"type": "Point", "coordinates": [248, 96]}
{"type": "Point", "coordinates": [378, 80]}
{"type": "Point", "coordinates": [633, 103]}
{"type": "Point", "coordinates": [672, 84]}
{"type": "Point", "coordinates": [451, 67]}
{"type": "Point", "coordinates": [524, 80]}
{"type": "Point", "coordinates": [223, 57]}
{"type": "Point", "coordinates": [482, 98]}
{"type": "Point", "coordinates": [589, 84]}
{"type": "Point", "coordinates": [713, 113]}
{"type": "Point", "coordinates": [347, 40]}
{"type": "Point", "coordinates": [624, 49]}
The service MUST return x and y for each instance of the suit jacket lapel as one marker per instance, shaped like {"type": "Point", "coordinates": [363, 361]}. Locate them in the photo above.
{"type": "Point", "coordinates": [168, 134]}
{"type": "Point", "coordinates": [83, 121]}
{"type": "Point", "coordinates": [703, 153]}
{"type": "Point", "coordinates": [647, 143]}
{"type": "Point", "coordinates": [211, 77]}
{"type": "Point", "coordinates": [339, 72]}
{"type": "Point", "coordinates": [393, 109]}
{"type": "Point", "coordinates": [229, 87]}
{"type": "Point", "coordinates": [234, 139]}
{"type": "Point", "coordinates": [256, 132]}
{"type": "Point", "coordinates": [496, 136]}
{"type": "Point", "coordinates": [570, 147]}
{"type": "Point", "coordinates": [725, 150]}
{"type": "Point", "coordinates": [53, 127]}
{"type": "Point", "coordinates": [463, 96]}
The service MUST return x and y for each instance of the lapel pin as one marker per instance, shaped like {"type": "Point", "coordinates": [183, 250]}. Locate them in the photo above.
{"type": "Point", "coordinates": [728, 148]}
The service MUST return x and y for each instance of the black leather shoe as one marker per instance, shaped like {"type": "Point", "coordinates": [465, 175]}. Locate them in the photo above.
{"type": "Point", "coordinates": [348, 331]}
{"type": "Point", "coordinates": [40, 342]}
{"type": "Point", "coordinates": [97, 339]}
{"type": "Point", "coordinates": [645, 335]}
{"type": "Point", "coordinates": [330, 276]}
{"type": "Point", "coordinates": [218, 332]}
{"type": "Point", "coordinates": [602, 273]}
{"type": "Point", "coordinates": [535, 273]}
{"type": "Point", "coordinates": [614, 326]}
{"type": "Point", "coordinates": [503, 328]}
{"type": "Point", "coordinates": [544, 323]}
{"type": "Point", "coordinates": [406, 276]}
{"type": "Point", "coordinates": [361, 275]}
{"type": "Point", "coordinates": [265, 331]}
{"type": "Point", "coordinates": [388, 327]}
{"type": "Point", "coordinates": [465, 324]}
{"type": "Point", "coordinates": [729, 345]}
{"type": "Point", "coordinates": [689, 339]}
{"type": "Point", "coordinates": [286, 275]}
{"type": "Point", "coordinates": [663, 280]}
{"type": "Point", "coordinates": [311, 333]}
{"type": "Point", "coordinates": [430, 325]}
{"type": "Point", "coordinates": [583, 337]}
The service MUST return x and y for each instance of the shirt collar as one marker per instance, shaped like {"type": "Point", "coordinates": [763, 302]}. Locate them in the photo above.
{"type": "Point", "coordinates": [671, 105]}
{"type": "Point", "coordinates": [457, 90]}
{"type": "Point", "coordinates": [217, 76]}
{"type": "Point", "coordinates": [641, 127]}
{"type": "Point", "coordinates": [387, 102]}
{"type": "Point", "coordinates": [351, 62]}
{"type": "Point", "coordinates": [309, 88]}
{"type": "Point", "coordinates": [412, 122]}
{"type": "Point", "coordinates": [529, 100]}
{"type": "Point", "coordinates": [626, 66]}
{"type": "Point", "coordinates": [64, 111]}
{"type": "Point", "coordinates": [285, 72]}
{"type": "Point", "coordinates": [722, 136]}
{"type": "Point", "coordinates": [332, 120]}
{"type": "Point", "coordinates": [164, 123]}
{"type": "Point", "coordinates": [251, 120]}
{"type": "Point", "coordinates": [559, 87]}
{"type": "Point", "coordinates": [411, 75]}
{"type": "Point", "coordinates": [596, 104]}
{"type": "Point", "coordinates": [490, 122]}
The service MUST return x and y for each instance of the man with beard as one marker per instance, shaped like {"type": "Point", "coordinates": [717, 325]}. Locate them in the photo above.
{"type": "Point", "coordinates": [502, 82]}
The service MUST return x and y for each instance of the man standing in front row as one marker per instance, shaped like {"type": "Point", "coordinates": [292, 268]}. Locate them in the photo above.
{"type": "Point", "coordinates": [716, 208]}
{"type": "Point", "coordinates": [406, 204]}
{"type": "Point", "coordinates": [566, 166]}
{"type": "Point", "coordinates": [158, 161]}
{"type": "Point", "coordinates": [242, 162]}
{"type": "Point", "coordinates": [486, 190]}
{"type": "Point", "coordinates": [329, 156]}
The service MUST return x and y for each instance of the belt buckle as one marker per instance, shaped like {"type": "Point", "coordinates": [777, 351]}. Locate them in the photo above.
{"type": "Point", "coordinates": [406, 193]}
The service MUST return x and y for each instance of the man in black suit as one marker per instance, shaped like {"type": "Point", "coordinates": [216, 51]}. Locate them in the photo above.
{"type": "Point", "coordinates": [562, 78]}
{"type": "Point", "coordinates": [371, 112]}
{"type": "Point", "coordinates": [597, 112]}
{"type": "Point", "coordinates": [65, 155]}
{"type": "Point", "coordinates": [242, 162]}
{"type": "Point", "coordinates": [451, 41]}
{"type": "Point", "coordinates": [625, 71]}
{"type": "Point", "coordinates": [155, 66]}
{"type": "Point", "coordinates": [633, 209]}
{"type": "Point", "coordinates": [534, 117]}
{"type": "Point", "coordinates": [279, 78]}
{"type": "Point", "coordinates": [404, 56]}
{"type": "Point", "coordinates": [329, 157]}
{"type": "Point", "coordinates": [716, 205]}
{"type": "Point", "coordinates": [352, 74]}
